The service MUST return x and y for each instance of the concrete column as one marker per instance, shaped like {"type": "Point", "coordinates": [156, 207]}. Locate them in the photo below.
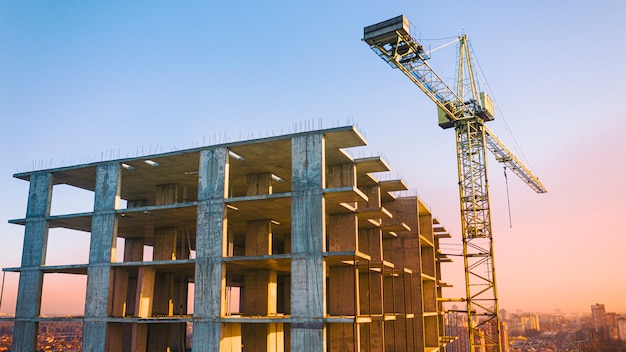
{"type": "Point", "coordinates": [165, 240]}
{"type": "Point", "coordinates": [162, 294]}
{"type": "Point", "coordinates": [342, 338]}
{"type": "Point", "coordinates": [390, 335]}
{"type": "Point", "coordinates": [170, 194]}
{"type": "Point", "coordinates": [139, 341]}
{"type": "Point", "coordinates": [343, 292]}
{"type": "Point", "coordinates": [165, 247]}
{"type": "Point", "coordinates": [259, 184]}
{"type": "Point", "coordinates": [373, 198]}
{"type": "Point", "coordinates": [266, 337]}
{"type": "Point", "coordinates": [409, 327]}
{"type": "Point", "coordinates": [33, 256]}
{"type": "Point", "coordinates": [372, 337]}
{"type": "Point", "coordinates": [286, 304]}
{"type": "Point", "coordinates": [260, 291]}
{"type": "Point", "coordinates": [179, 302]}
{"type": "Point", "coordinates": [258, 238]}
{"type": "Point", "coordinates": [307, 243]}
{"type": "Point", "coordinates": [402, 340]}
{"type": "Point", "coordinates": [231, 337]}
{"type": "Point", "coordinates": [341, 175]}
{"type": "Point", "coordinates": [103, 236]}
{"type": "Point", "coordinates": [371, 243]}
{"type": "Point", "coordinates": [163, 297]}
{"type": "Point", "coordinates": [143, 307]}
{"type": "Point", "coordinates": [211, 242]}
{"type": "Point", "coordinates": [161, 338]}
{"type": "Point", "coordinates": [145, 292]}
{"type": "Point", "coordinates": [342, 232]}
{"type": "Point", "coordinates": [115, 337]}
{"type": "Point", "coordinates": [388, 285]}
{"type": "Point", "coordinates": [260, 286]}
{"type": "Point", "coordinates": [120, 292]}
{"type": "Point", "coordinates": [125, 287]}
{"type": "Point", "coordinates": [133, 252]}
{"type": "Point", "coordinates": [371, 293]}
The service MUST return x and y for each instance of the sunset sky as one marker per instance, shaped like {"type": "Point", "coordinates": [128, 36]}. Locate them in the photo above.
{"type": "Point", "coordinates": [87, 81]}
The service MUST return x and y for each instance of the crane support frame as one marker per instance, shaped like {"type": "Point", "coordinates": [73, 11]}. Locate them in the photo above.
{"type": "Point", "coordinates": [478, 258]}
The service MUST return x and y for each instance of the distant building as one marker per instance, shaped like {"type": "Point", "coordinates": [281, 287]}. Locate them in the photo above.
{"type": "Point", "coordinates": [520, 324]}
{"type": "Point", "coordinates": [504, 336]}
{"type": "Point", "coordinates": [611, 324]}
{"type": "Point", "coordinates": [621, 328]}
{"type": "Point", "coordinates": [504, 315]}
{"type": "Point", "coordinates": [456, 325]}
{"type": "Point", "coordinates": [598, 317]}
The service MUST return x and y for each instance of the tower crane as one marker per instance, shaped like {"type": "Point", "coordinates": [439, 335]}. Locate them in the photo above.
{"type": "Point", "coordinates": [466, 110]}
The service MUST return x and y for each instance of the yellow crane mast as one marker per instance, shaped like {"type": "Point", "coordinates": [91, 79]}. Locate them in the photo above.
{"type": "Point", "coordinates": [466, 110]}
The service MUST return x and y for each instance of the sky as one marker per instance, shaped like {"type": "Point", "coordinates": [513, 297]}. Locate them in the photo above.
{"type": "Point", "coordinates": [87, 81]}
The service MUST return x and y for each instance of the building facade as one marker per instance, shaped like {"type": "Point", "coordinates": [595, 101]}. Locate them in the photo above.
{"type": "Point", "coordinates": [598, 317]}
{"type": "Point", "coordinates": [284, 243]}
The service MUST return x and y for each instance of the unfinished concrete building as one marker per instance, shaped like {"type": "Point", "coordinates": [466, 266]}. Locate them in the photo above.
{"type": "Point", "coordinates": [285, 243]}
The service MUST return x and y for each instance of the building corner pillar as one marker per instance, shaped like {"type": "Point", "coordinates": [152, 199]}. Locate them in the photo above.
{"type": "Point", "coordinates": [98, 304]}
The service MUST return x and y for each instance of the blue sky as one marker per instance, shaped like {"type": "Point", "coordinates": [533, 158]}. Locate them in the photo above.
{"type": "Point", "coordinates": [80, 81]}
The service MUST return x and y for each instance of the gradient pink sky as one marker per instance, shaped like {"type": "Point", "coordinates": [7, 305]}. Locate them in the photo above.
{"type": "Point", "coordinates": [80, 80]}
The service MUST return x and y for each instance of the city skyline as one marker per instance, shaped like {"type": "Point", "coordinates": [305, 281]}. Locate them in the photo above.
{"type": "Point", "coordinates": [85, 82]}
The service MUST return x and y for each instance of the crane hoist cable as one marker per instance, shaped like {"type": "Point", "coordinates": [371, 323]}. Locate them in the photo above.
{"type": "Point", "coordinates": [505, 124]}
{"type": "Point", "coordinates": [2, 289]}
{"type": "Point", "coordinates": [508, 199]}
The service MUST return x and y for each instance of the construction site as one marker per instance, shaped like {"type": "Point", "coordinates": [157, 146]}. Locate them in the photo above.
{"type": "Point", "coordinates": [291, 245]}
{"type": "Point", "coordinates": [283, 243]}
